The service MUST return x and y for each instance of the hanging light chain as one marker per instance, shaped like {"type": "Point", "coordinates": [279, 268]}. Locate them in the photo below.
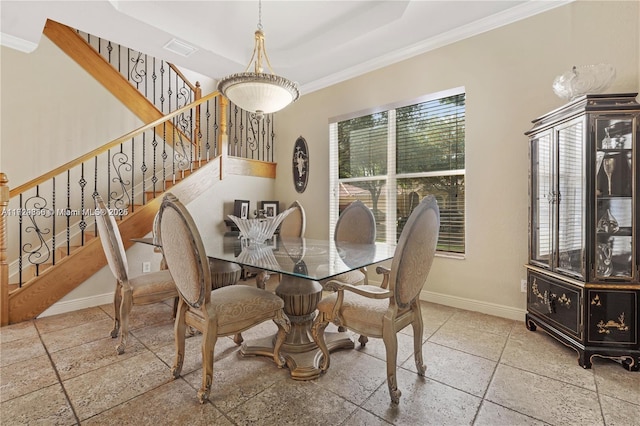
{"type": "Point", "coordinates": [260, 14]}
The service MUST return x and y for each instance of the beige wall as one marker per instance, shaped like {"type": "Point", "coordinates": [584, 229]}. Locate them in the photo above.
{"type": "Point", "coordinates": [507, 74]}
{"type": "Point", "coordinates": [52, 112]}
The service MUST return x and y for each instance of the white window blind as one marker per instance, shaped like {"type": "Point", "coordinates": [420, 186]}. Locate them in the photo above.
{"type": "Point", "coordinates": [390, 159]}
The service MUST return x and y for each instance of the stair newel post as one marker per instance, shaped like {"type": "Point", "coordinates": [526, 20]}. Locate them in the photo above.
{"type": "Point", "coordinates": [196, 134]}
{"type": "Point", "coordinates": [4, 266]}
{"type": "Point", "coordinates": [223, 138]}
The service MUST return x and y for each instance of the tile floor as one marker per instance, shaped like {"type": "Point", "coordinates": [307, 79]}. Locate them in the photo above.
{"type": "Point", "coordinates": [481, 370]}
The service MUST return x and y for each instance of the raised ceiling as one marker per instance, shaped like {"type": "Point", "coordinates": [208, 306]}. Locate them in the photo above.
{"type": "Point", "coordinates": [316, 43]}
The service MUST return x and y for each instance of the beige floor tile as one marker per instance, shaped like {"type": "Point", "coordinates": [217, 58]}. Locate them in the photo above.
{"type": "Point", "coordinates": [77, 360]}
{"type": "Point", "coordinates": [21, 330]}
{"type": "Point", "coordinates": [491, 414]}
{"type": "Point", "coordinates": [544, 355]}
{"type": "Point", "coordinates": [20, 350]}
{"type": "Point", "coordinates": [170, 404]}
{"type": "Point", "coordinates": [26, 376]}
{"type": "Point", "coordinates": [70, 319]}
{"type": "Point", "coordinates": [77, 335]}
{"type": "Point", "coordinates": [482, 322]}
{"type": "Point", "coordinates": [146, 315]}
{"type": "Point", "coordinates": [107, 387]}
{"type": "Point", "coordinates": [375, 347]}
{"type": "Point", "coordinates": [528, 393]}
{"type": "Point", "coordinates": [46, 406]}
{"type": "Point", "coordinates": [155, 336]}
{"type": "Point", "coordinates": [423, 402]}
{"type": "Point", "coordinates": [364, 418]}
{"type": "Point", "coordinates": [353, 375]}
{"type": "Point", "coordinates": [466, 339]}
{"type": "Point", "coordinates": [294, 403]}
{"type": "Point", "coordinates": [619, 413]}
{"type": "Point", "coordinates": [613, 380]}
{"type": "Point", "coordinates": [237, 379]}
{"type": "Point", "coordinates": [468, 373]}
{"type": "Point", "coordinates": [193, 352]}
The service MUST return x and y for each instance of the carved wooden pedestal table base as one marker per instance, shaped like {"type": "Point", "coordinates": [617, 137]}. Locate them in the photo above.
{"type": "Point", "coordinates": [301, 296]}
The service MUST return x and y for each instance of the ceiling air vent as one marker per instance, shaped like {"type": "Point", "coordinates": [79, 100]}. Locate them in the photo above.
{"type": "Point", "coordinates": [180, 47]}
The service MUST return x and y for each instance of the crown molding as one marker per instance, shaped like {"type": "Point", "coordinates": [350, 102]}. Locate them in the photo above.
{"type": "Point", "coordinates": [506, 17]}
{"type": "Point", "coordinates": [16, 43]}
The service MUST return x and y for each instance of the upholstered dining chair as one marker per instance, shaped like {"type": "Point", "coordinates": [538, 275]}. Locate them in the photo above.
{"type": "Point", "coordinates": [293, 226]}
{"type": "Point", "coordinates": [383, 311]}
{"type": "Point", "coordinates": [226, 311]}
{"type": "Point", "coordinates": [356, 224]}
{"type": "Point", "coordinates": [140, 290]}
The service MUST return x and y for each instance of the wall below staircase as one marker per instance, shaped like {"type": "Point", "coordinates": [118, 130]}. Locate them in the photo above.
{"type": "Point", "coordinates": [208, 211]}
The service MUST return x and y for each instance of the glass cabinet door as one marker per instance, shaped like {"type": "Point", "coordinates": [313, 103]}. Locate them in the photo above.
{"type": "Point", "coordinates": [541, 200]}
{"type": "Point", "coordinates": [570, 197]}
{"type": "Point", "coordinates": [614, 197]}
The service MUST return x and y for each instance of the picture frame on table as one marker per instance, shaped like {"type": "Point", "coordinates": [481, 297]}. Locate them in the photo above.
{"type": "Point", "coordinates": [241, 209]}
{"type": "Point", "coordinates": [271, 208]}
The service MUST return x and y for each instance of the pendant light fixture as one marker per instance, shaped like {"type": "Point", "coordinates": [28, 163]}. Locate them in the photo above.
{"type": "Point", "coordinates": [258, 91]}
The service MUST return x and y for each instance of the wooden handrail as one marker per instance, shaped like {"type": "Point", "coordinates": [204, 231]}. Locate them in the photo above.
{"type": "Point", "coordinates": [4, 266]}
{"type": "Point", "coordinates": [184, 79]}
{"type": "Point", "coordinates": [55, 172]}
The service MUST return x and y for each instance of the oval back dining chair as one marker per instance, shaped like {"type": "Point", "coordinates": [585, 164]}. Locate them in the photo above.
{"type": "Point", "coordinates": [226, 311]}
{"type": "Point", "coordinates": [383, 311]}
{"type": "Point", "coordinates": [295, 224]}
{"type": "Point", "coordinates": [144, 289]}
{"type": "Point", "coordinates": [356, 224]}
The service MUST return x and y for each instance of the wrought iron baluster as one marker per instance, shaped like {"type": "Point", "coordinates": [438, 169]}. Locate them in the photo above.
{"type": "Point", "coordinates": [121, 165]}
{"type": "Point", "coordinates": [36, 207]}
{"type": "Point", "coordinates": [108, 178]}
{"type": "Point", "coordinates": [154, 77]}
{"type": "Point", "coordinates": [68, 210]}
{"type": "Point", "coordinates": [95, 189]}
{"type": "Point", "coordinates": [162, 86]}
{"type": "Point", "coordinates": [207, 145]}
{"type": "Point", "coordinates": [135, 74]}
{"type": "Point", "coordinates": [143, 167]}
{"type": "Point", "coordinates": [164, 156]}
{"type": "Point", "coordinates": [53, 220]}
{"type": "Point", "coordinates": [133, 176]}
{"type": "Point", "coordinates": [83, 224]}
{"type": "Point", "coordinates": [20, 241]}
{"type": "Point", "coordinates": [154, 178]}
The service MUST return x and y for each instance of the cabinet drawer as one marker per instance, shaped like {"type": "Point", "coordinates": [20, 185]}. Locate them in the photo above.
{"type": "Point", "coordinates": [612, 317]}
{"type": "Point", "coordinates": [557, 302]}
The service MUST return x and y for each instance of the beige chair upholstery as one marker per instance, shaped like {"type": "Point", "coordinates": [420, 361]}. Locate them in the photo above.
{"type": "Point", "coordinates": [293, 226]}
{"type": "Point", "coordinates": [383, 311]}
{"type": "Point", "coordinates": [356, 224]}
{"type": "Point", "coordinates": [222, 273]}
{"type": "Point", "coordinates": [223, 312]}
{"type": "Point", "coordinates": [144, 289]}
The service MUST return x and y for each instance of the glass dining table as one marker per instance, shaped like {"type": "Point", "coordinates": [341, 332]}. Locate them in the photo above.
{"type": "Point", "coordinates": [302, 263]}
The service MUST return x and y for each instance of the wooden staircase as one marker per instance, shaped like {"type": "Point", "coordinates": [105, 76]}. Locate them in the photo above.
{"type": "Point", "coordinates": [49, 283]}
{"type": "Point", "coordinates": [39, 293]}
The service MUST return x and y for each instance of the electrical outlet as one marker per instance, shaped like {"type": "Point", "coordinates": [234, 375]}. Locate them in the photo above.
{"type": "Point", "coordinates": [523, 286]}
{"type": "Point", "coordinates": [146, 267]}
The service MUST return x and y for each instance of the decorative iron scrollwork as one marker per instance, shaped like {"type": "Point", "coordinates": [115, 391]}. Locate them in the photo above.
{"type": "Point", "coordinates": [121, 165]}
{"type": "Point", "coordinates": [38, 253]}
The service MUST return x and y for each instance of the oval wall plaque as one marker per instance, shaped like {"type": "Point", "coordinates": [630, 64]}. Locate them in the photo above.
{"type": "Point", "coordinates": [300, 164]}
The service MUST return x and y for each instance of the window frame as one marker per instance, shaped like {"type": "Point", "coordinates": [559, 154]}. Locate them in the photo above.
{"type": "Point", "coordinates": [392, 176]}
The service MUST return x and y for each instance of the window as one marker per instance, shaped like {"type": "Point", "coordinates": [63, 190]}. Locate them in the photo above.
{"type": "Point", "coordinates": [392, 158]}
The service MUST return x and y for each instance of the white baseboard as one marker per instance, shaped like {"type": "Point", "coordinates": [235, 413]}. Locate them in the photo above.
{"type": "Point", "coordinates": [428, 296]}
{"type": "Point", "coordinates": [474, 305]}
{"type": "Point", "coordinates": [77, 304]}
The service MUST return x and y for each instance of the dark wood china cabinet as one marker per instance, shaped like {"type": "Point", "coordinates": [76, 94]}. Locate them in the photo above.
{"type": "Point", "coordinates": [583, 277]}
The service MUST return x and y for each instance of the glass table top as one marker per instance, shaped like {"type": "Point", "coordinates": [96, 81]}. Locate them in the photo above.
{"type": "Point", "coordinates": [302, 257]}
